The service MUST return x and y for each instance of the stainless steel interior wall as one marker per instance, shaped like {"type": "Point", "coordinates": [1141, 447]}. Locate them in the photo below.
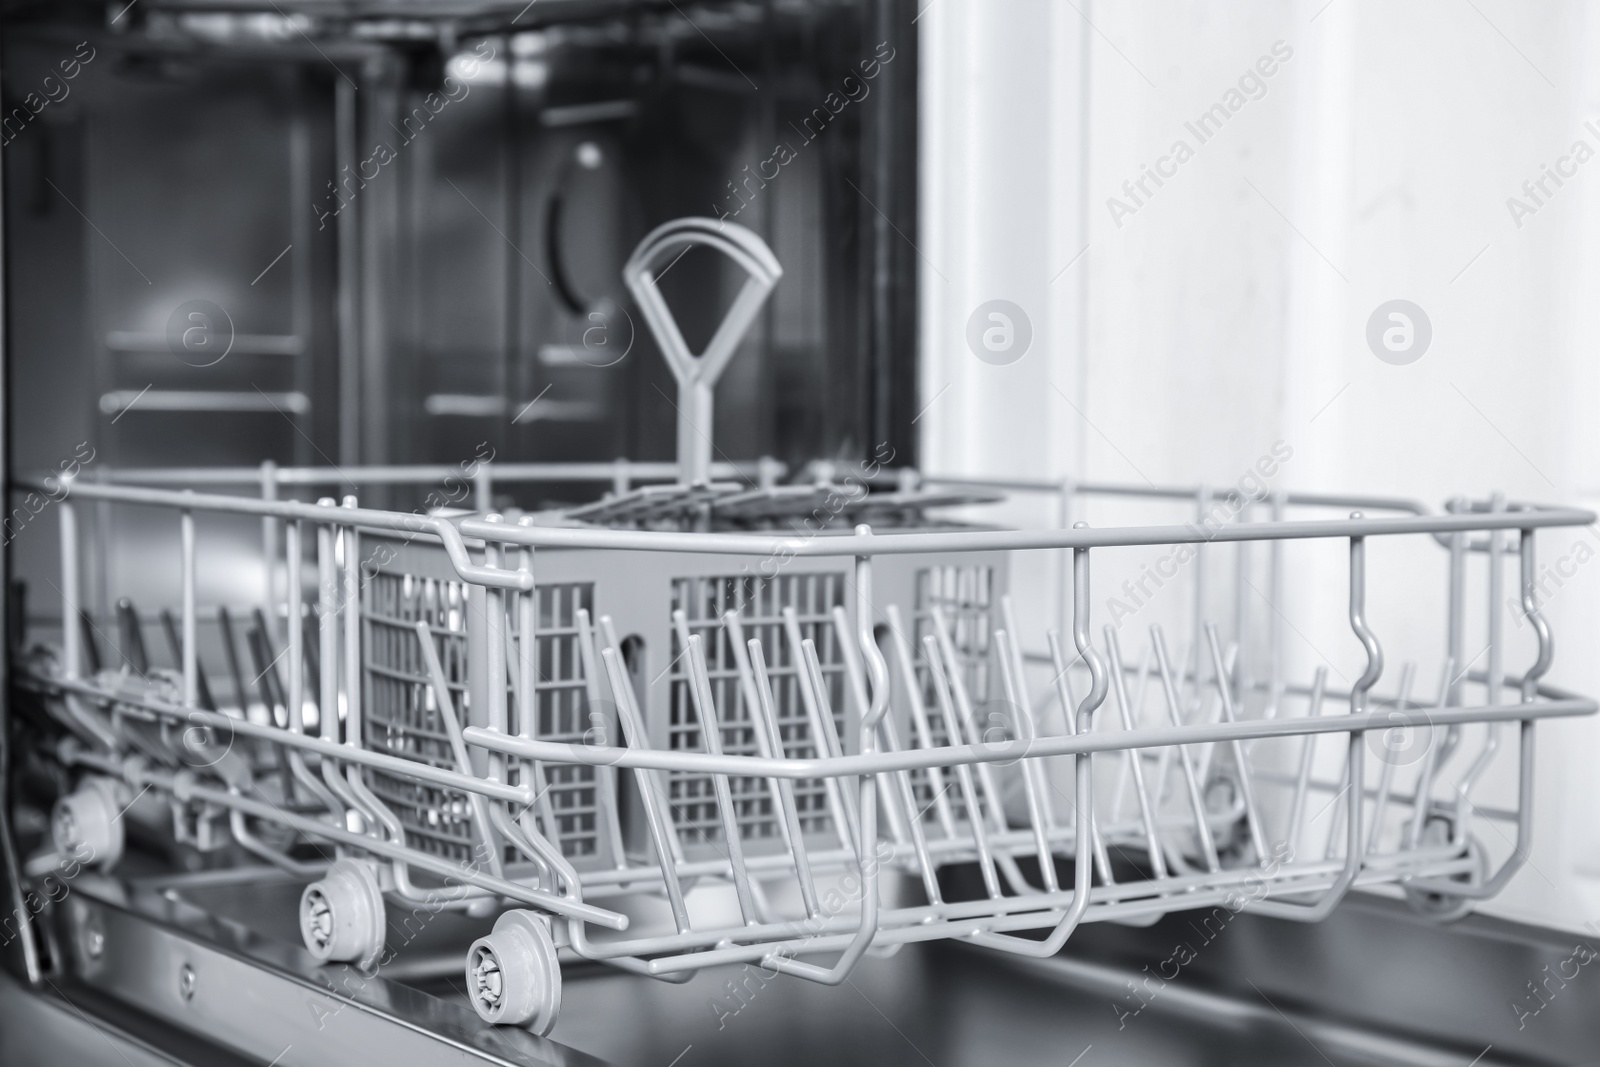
{"type": "Point", "coordinates": [410, 251]}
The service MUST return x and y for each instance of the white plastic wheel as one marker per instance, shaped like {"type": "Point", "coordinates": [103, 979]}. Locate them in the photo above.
{"type": "Point", "coordinates": [513, 975]}
{"type": "Point", "coordinates": [1444, 907]}
{"type": "Point", "coordinates": [86, 825]}
{"type": "Point", "coordinates": [342, 916]}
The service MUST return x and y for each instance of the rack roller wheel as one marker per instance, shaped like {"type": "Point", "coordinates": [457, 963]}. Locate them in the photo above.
{"type": "Point", "coordinates": [1224, 800]}
{"type": "Point", "coordinates": [513, 976]}
{"type": "Point", "coordinates": [1445, 907]}
{"type": "Point", "coordinates": [86, 825]}
{"type": "Point", "coordinates": [342, 917]}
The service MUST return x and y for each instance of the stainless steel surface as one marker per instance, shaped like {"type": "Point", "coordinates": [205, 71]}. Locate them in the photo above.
{"type": "Point", "coordinates": [193, 971]}
{"type": "Point", "coordinates": [230, 154]}
{"type": "Point", "coordinates": [1248, 991]}
{"type": "Point", "coordinates": [1257, 992]}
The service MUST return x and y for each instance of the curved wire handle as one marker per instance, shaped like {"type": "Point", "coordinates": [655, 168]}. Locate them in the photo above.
{"type": "Point", "coordinates": [697, 375]}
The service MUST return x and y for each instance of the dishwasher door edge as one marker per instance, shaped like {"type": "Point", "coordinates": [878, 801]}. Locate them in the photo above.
{"type": "Point", "coordinates": [268, 1002]}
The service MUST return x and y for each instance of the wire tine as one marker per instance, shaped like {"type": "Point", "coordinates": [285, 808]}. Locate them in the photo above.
{"type": "Point", "coordinates": [967, 727]}
{"type": "Point", "coordinates": [1422, 799]}
{"type": "Point", "coordinates": [1302, 781]}
{"type": "Point", "coordinates": [680, 627]}
{"type": "Point", "coordinates": [1037, 769]}
{"type": "Point", "coordinates": [845, 826]}
{"type": "Point", "coordinates": [1131, 757]}
{"type": "Point", "coordinates": [536, 772]}
{"type": "Point", "coordinates": [657, 820]}
{"type": "Point", "coordinates": [444, 703]}
{"type": "Point", "coordinates": [1009, 669]}
{"type": "Point", "coordinates": [231, 653]}
{"type": "Point", "coordinates": [828, 739]}
{"type": "Point", "coordinates": [1124, 773]}
{"type": "Point", "coordinates": [1336, 822]}
{"type": "Point", "coordinates": [767, 744]}
{"type": "Point", "coordinates": [1208, 752]}
{"type": "Point", "coordinates": [1208, 847]}
{"type": "Point", "coordinates": [610, 800]}
{"type": "Point", "coordinates": [626, 698]}
{"type": "Point", "coordinates": [919, 722]}
{"type": "Point", "coordinates": [88, 641]}
{"type": "Point", "coordinates": [969, 794]}
{"type": "Point", "coordinates": [1164, 770]}
{"type": "Point", "coordinates": [175, 642]}
{"type": "Point", "coordinates": [1408, 671]}
{"type": "Point", "coordinates": [1252, 814]}
{"type": "Point", "coordinates": [785, 788]}
{"type": "Point", "coordinates": [711, 731]}
{"type": "Point", "coordinates": [516, 667]}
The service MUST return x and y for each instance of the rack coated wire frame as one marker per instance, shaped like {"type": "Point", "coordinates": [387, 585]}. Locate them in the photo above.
{"type": "Point", "coordinates": [827, 761]}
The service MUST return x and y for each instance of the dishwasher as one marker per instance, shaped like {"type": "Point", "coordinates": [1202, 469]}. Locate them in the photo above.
{"type": "Point", "coordinates": [708, 760]}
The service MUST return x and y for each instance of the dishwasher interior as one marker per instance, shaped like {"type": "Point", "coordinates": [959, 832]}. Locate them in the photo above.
{"type": "Point", "coordinates": [514, 626]}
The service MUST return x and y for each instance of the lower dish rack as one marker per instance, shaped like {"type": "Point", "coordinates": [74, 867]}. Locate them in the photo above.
{"type": "Point", "coordinates": [471, 720]}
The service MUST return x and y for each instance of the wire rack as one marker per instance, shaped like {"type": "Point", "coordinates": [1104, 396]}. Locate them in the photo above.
{"type": "Point", "coordinates": [858, 751]}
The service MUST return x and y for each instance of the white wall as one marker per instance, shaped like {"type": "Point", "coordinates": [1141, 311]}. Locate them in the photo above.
{"type": "Point", "coordinates": [1228, 310]}
{"type": "Point", "coordinates": [1004, 195]}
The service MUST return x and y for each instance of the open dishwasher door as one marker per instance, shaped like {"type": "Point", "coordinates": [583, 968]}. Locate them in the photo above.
{"type": "Point", "coordinates": [1265, 991]}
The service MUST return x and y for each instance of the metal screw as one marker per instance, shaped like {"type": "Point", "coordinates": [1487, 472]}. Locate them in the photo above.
{"type": "Point", "coordinates": [186, 982]}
